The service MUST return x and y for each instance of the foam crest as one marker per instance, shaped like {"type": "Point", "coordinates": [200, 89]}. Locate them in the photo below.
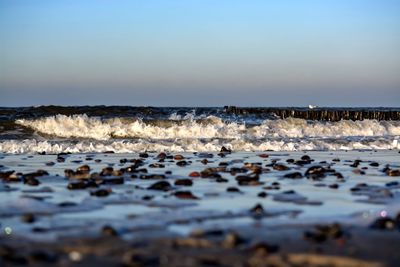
{"type": "Point", "coordinates": [83, 126]}
{"type": "Point", "coordinates": [186, 145]}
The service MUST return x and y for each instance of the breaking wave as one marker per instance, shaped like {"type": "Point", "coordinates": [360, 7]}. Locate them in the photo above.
{"type": "Point", "coordinates": [83, 126]}
{"type": "Point", "coordinates": [180, 133]}
{"type": "Point", "coordinates": [194, 145]}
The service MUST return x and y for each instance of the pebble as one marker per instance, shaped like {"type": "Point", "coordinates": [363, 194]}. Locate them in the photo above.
{"type": "Point", "coordinates": [156, 165]}
{"type": "Point", "coordinates": [257, 210]}
{"type": "Point", "coordinates": [246, 180]}
{"type": "Point", "coordinates": [293, 175]}
{"type": "Point", "coordinates": [184, 182]}
{"type": "Point", "coordinates": [83, 169]}
{"type": "Point", "coordinates": [107, 230]}
{"type": "Point", "coordinates": [233, 189]}
{"type": "Point", "coordinates": [100, 193]}
{"type": "Point", "coordinates": [225, 150]}
{"type": "Point", "coordinates": [262, 194]}
{"type": "Point", "coordinates": [28, 218]}
{"type": "Point", "coordinates": [162, 155]}
{"type": "Point", "coordinates": [76, 185]}
{"type": "Point", "coordinates": [178, 157]}
{"type": "Point", "coordinates": [358, 171]}
{"type": "Point", "coordinates": [204, 161]}
{"type": "Point", "coordinates": [334, 186]}
{"type": "Point", "coordinates": [221, 180]}
{"type": "Point", "coordinates": [32, 181]}
{"type": "Point", "coordinates": [280, 167]}
{"type": "Point", "coordinates": [182, 163]}
{"type": "Point", "coordinates": [393, 172]}
{"type": "Point", "coordinates": [316, 172]}
{"type": "Point", "coordinates": [185, 195]}
{"type": "Point", "coordinates": [384, 224]}
{"type": "Point", "coordinates": [161, 185]}
{"type": "Point", "coordinates": [152, 177]}
{"type": "Point", "coordinates": [194, 174]}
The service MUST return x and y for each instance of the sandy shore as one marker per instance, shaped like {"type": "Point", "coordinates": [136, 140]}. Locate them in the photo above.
{"type": "Point", "coordinates": [200, 209]}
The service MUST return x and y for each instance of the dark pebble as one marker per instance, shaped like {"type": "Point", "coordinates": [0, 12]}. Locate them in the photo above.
{"type": "Point", "coordinates": [257, 209]}
{"type": "Point", "coordinates": [100, 193]}
{"type": "Point", "coordinates": [32, 181]}
{"type": "Point", "coordinates": [161, 185]}
{"type": "Point", "coordinates": [184, 182]}
{"type": "Point", "coordinates": [185, 195]}
{"type": "Point", "coordinates": [293, 175]}
{"type": "Point", "coordinates": [147, 197]}
{"type": "Point", "coordinates": [243, 179]}
{"type": "Point", "coordinates": [232, 189]}
{"type": "Point", "coordinates": [162, 155]}
{"type": "Point", "coordinates": [156, 165]}
{"type": "Point", "coordinates": [221, 180]}
{"type": "Point", "coordinates": [315, 172]}
{"type": "Point", "coordinates": [182, 163]}
{"type": "Point", "coordinates": [262, 194]}
{"type": "Point", "coordinates": [76, 185]}
{"type": "Point", "coordinates": [111, 180]}
{"type": "Point", "coordinates": [28, 218]}
{"type": "Point", "coordinates": [306, 157]}
{"type": "Point", "coordinates": [383, 224]}
{"type": "Point", "coordinates": [109, 231]}
{"type": "Point", "coordinates": [280, 167]}
{"type": "Point", "coordinates": [393, 172]}
{"type": "Point", "coordinates": [152, 177]}
{"type": "Point", "coordinates": [225, 150]}
{"type": "Point", "coordinates": [393, 183]}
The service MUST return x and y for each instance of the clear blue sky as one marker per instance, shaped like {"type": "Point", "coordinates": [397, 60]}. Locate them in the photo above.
{"type": "Point", "coordinates": [200, 53]}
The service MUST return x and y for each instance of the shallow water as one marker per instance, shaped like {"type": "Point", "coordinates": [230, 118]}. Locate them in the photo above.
{"type": "Point", "coordinates": [126, 211]}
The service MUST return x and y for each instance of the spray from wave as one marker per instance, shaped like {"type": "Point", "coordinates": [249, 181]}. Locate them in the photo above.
{"type": "Point", "coordinates": [190, 132]}
{"type": "Point", "coordinates": [83, 126]}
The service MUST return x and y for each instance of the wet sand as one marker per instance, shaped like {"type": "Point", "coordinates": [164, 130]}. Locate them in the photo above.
{"type": "Point", "coordinates": [201, 209]}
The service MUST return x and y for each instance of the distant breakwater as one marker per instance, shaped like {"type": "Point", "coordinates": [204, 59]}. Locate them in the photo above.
{"type": "Point", "coordinates": [227, 112]}
{"type": "Point", "coordinates": [323, 114]}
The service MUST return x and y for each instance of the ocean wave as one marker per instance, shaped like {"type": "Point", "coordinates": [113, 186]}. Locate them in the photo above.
{"type": "Point", "coordinates": [192, 145]}
{"type": "Point", "coordinates": [83, 126]}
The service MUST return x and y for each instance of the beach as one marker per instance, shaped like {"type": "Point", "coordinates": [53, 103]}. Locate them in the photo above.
{"type": "Point", "coordinates": [314, 208]}
{"type": "Point", "coordinates": [148, 186]}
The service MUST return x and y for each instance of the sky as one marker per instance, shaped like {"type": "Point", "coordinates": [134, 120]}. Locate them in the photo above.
{"type": "Point", "coordinates": [200, 52]}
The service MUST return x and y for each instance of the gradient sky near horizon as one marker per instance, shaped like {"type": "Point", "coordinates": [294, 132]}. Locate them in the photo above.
{"type": "Point", "coordinates": [200, 52]}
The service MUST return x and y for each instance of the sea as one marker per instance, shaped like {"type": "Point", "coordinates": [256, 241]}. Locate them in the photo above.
{"type": "Point", "coordinates": [128, 129]}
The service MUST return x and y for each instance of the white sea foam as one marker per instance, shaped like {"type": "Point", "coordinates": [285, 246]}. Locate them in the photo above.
{"type": "Point", "coordinates": [188, 145]}
{"type": "Point", "coordinates": [83, 126]}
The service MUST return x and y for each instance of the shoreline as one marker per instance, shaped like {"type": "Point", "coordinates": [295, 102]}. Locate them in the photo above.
{"type": "Point", "coordinates": [314, 208]}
